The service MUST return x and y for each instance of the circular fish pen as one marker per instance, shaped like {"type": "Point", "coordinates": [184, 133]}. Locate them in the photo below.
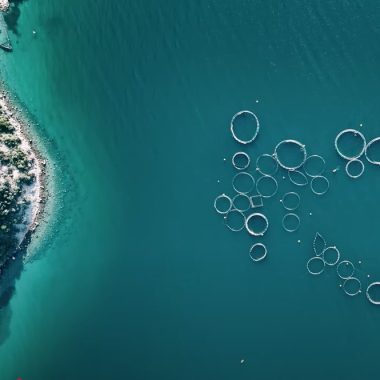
{"type": "Point", "coordinates": [258, 252]}
{"type": "Point", "coordinates": [371, 287]}
{"type": "Point", "coordinates": [315, 265]}
{"type": "Point", "coordinates": [265, 182]}
{"type": "Point", "coordinates": [361, 144]}
{"type": "Point", "coordinates": [354, 168]}
{"type": "Point", "coordinates": [241, 160]}
{"type": "Point", "coordinates": [293, 147]}
{"type": "Point", "coordinates": [291, 222]}
{"type": "Point", "coordinates": [319, 185]}
{"type": "Point", "coordinates": [241, 202]}
{"type": "Point", "coordinates": [238, 129]}
{"type": "Point", "coordinates": [222, 204]}
{"type": "Point", "coordinates": [345, 269]}
{"type": "Point", "coordinates": [370, 145]}
{"type": "Point", "coordinates": [314, 165]}
{"type": "Point", "coordinates": [352, 286]}
{"type": "Point", "coordinates": [261, 222]}
{"type": "Point", "coordinates": [235, 220]}
{"type": "Point", "coordinates": [243, 182]}
{"type": "Point", "coordinates": [291, 201]}
{"type": "Point", "coordinates": [266, 164]}
{"type": "Point", "coordinates": [331, 256]}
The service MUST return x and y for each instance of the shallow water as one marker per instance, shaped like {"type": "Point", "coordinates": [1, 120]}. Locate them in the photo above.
{"type": "Point", "coordinates": [141, 280]}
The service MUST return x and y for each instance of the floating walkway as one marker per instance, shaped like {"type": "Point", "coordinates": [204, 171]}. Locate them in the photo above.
{"type": "Point", "coordinates": [5, 42]}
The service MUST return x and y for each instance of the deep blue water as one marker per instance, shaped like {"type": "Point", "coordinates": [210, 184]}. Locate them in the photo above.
{"type": "Point", "coordinates": [140, 279]}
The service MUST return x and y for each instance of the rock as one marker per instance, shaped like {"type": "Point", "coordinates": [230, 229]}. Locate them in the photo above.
{"type": "Point", "coordinates": [4, 5]}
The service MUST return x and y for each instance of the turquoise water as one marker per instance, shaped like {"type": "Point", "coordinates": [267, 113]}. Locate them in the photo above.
{"type": "Point", "coordinates": [140, 280]}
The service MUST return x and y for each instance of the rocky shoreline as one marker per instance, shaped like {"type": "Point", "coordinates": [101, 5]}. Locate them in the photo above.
{"type": "Point", "coordinates": [4, 5]}
{"type": "Point", "coordinates": [23, 192]}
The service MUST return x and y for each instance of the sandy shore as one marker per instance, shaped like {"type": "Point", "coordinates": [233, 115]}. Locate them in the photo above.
{"type": "Point", "coordinates": [34, 193]}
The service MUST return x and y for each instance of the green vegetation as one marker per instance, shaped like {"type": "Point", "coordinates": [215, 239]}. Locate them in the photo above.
{"type": "Point", "coordinates": [18, 158]}
{"type": "Point", "coordinates": [5, 126]}
{"type": "Point", "coordinates": [10, 214]}
{"type": "Point", "coordinates": [11, 141]}
{"type": "Point", "coordinates": [15, 165]}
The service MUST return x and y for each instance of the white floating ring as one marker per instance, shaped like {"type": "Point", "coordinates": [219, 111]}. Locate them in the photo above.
{"type": "Point", "coordinates": [370, 299]}
{"type": "Point", "coordinates": [286, 197]}
{"type": "Point", "coordinates": [260, 216]}
{"type": "Point", "coordinates": [267, 178]}
{"type": "Point", "coordinates": [326, 252]}
{"type": "Point", "coordinates": [295, 142]}
{"type": "Point", "coordinates": [356, 281]}
{"type": "Point", "coordinates": [238, 198]}
{"type": "Point", "coordinates": [320, 238]}
{"type": "Point", "coordinates": [241, 156]}
{"type": "Point", "coordinates": [255, 133]}
{"type": "Point", "coordinates": [372, 142]}
{"type": "Point", "coordinates": [228, 223]}
{"type": "Point", "coordinates": [266, 156]}
{"type": "Point", "coordinates": [356, 133]}
{"type": "Point", "coordinates": [353, 161]}
{"type": "Point", "coordinates": [221, 198]}
{"type": "Point", "coordinates": [312, 260]}
{"type": "Point", "coordinates": [238, 187]}
{"type": "Point", "coordinates": [314, 157]}
{"type": "Point", "coordinates": [319, 178]}
{"type": "Point", "coordinates": [347, 264]}
{"type": "Point", "coordinates": [300, 181]}
{"type": "Point", "coordinates": [286, 218]}
{"type": "Point", "coordinates": [257, 246]}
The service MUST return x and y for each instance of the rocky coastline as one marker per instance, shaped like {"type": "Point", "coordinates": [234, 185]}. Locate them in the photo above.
{"type": "Point", "coordinates": [4, 5]}
{"type": "Point", "coordinates": [23, 192]}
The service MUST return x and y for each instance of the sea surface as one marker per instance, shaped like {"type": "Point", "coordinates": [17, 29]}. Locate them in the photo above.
{"type": "Point", "coordinates": [138, 278]}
